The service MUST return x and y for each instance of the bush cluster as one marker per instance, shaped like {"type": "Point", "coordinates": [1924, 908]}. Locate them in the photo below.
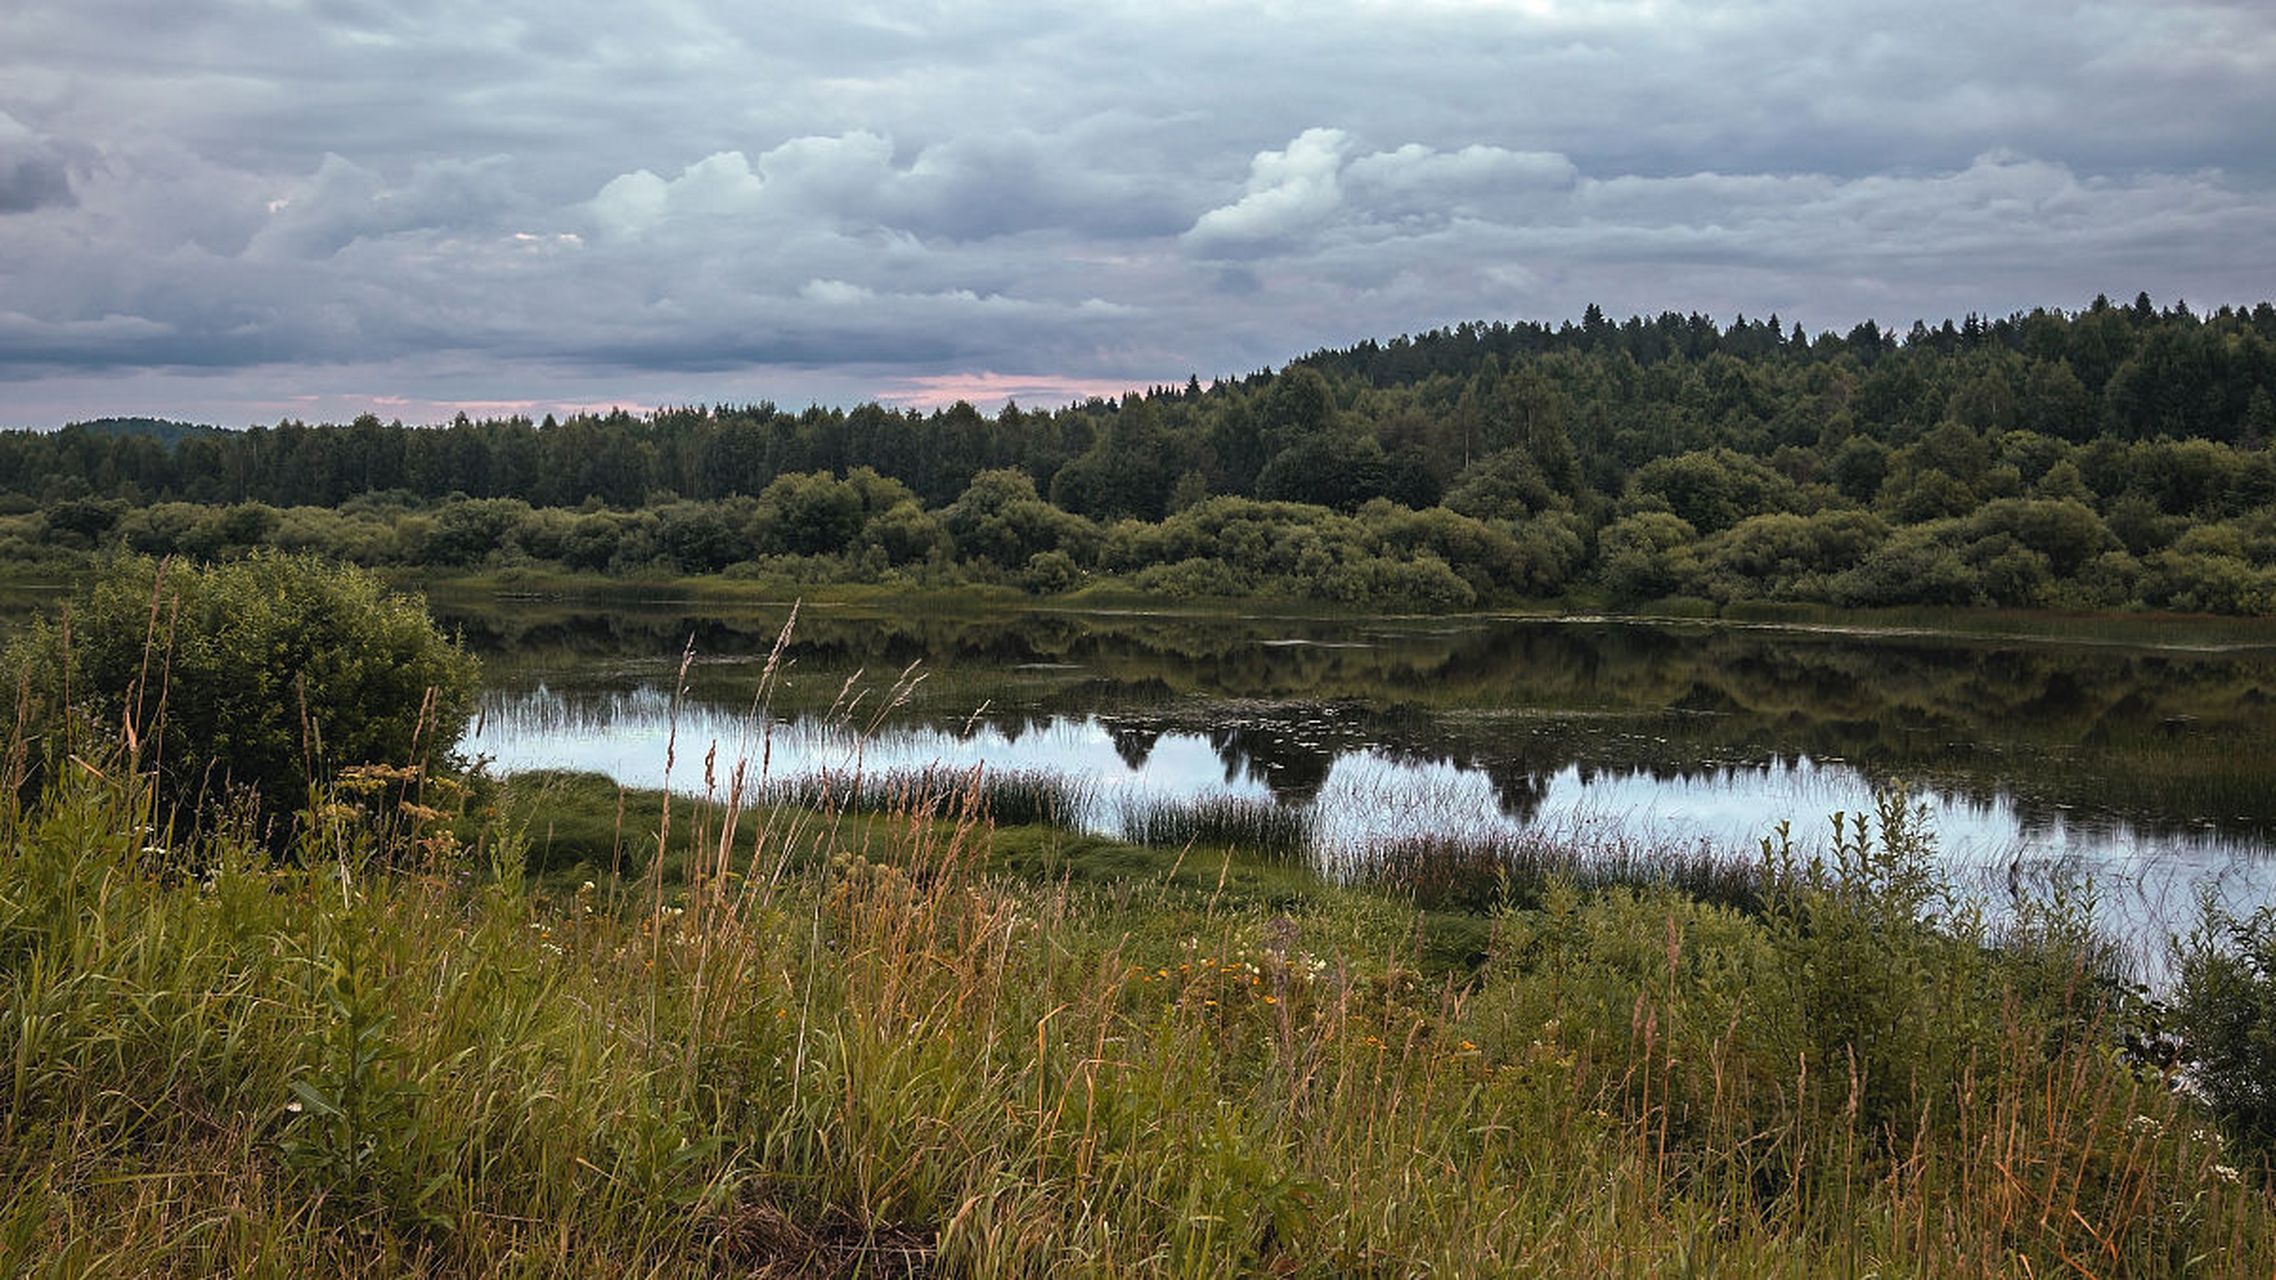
{"type": "Point", "coordinates": [264, 676]}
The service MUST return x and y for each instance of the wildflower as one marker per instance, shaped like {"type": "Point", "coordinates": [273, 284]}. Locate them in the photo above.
{"type": "Point", "coordinates": [2227, 1173]}
{"type": "Point", "coordinates": [1272, 999]}
{"type": "Point", "coordinates": [2144, 1124]}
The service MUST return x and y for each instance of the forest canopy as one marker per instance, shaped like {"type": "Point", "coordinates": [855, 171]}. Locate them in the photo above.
{"type": "Point", "coordinates": [2110, 457]}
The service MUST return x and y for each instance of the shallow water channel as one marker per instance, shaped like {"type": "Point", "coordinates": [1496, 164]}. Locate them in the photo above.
{"type": "Point", "coordinates": [2141, 757]}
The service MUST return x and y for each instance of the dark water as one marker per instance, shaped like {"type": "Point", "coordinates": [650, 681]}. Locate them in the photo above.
{"type": "Point", "coordinates": [2140, 756]}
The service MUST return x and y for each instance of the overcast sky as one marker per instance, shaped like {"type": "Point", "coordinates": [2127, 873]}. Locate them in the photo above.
{"type": "Point", "coordinates": [238, 210]}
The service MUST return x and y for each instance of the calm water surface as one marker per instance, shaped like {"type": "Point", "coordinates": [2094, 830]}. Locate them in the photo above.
{"type": "Point", "coordinates": [2142, 757]}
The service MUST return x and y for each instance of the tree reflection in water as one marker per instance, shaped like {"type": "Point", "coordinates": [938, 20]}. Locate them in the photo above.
{"type": "Point", "coordinates": [2113, 749]}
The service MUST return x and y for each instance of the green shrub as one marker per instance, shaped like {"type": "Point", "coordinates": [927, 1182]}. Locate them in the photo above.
{"type": "Point", "coordinates": [267, 673]}
{"type": "Point", "coordinates": [1050, 572]}
{"type": "Point", "coordinates": [2224, 1007]}
{"type": "Point", "coordinates": [1882, 962]}
{"type": "Point", "coordinates": [1197, 576]}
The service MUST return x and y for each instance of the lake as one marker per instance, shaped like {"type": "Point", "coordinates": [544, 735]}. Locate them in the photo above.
{"type": "Point", "coordinates": [2047, 751]}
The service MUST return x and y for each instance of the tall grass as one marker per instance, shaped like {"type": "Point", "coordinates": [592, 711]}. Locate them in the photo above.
{"type": "Point", "coordinates": [1007, 797]}
{"type": "Point", "coordinates": [794, 1052]}
{"type": "Point", "coordinates": [1258, 827]}
{"type": "Point", "coordinates": [1478, 871]}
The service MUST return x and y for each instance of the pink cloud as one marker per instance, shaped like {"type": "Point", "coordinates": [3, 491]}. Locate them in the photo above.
{"type": "Point", "coordinates": [341, 407]}
{"type": "Point", "coordinates": [987, 389]}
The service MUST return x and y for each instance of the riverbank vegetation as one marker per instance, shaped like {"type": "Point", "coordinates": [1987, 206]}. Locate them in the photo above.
{"type": "Point", "coordinates": [2112, 457]}
{"type": "Point", "coordinates": [562, 1028]}
{"type": "Point", "coordinates": [843, 1046]}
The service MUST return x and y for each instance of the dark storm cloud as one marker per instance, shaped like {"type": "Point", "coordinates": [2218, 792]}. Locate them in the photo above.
{"type": "Point", "coordinates": [32, 171]}
{"type": "Point", "coordinates": [697, 196]}
{"type": "Point", "coordinates": [30, 182]}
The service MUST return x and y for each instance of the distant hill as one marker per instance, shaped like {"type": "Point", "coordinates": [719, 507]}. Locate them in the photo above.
{"type": "Point", "coordinates": [164, 430]}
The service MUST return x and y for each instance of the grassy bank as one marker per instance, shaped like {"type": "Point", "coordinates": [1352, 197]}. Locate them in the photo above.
{"type": "Point", "coordinates": [904, 1041]}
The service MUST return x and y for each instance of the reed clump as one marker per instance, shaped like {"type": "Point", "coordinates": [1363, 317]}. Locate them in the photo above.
{"type": "Point", "coordinates": [1479, 871]}
{"type": "Point", "coordinates": [1260, 827]}
{"type": "Point", "coordinates": [1007, 797]}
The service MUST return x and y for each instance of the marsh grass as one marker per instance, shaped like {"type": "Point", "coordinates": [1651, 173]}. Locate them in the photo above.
{"type": "Point", "coordinates": [1485, 870]}
{"type": "Point", "coordinates": [1259, 827]}
{"type": "Point", "coordinates": [796, 1046]}
{"type": "Point", "coordinates": [1006, 797]}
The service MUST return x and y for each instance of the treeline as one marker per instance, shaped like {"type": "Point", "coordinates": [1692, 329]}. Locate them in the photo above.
{"type": "Point", "coordinates": [2109, 457]}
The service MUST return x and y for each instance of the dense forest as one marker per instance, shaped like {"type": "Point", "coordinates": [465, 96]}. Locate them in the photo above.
{"type": "Point", "coordinates": [2115, 456]}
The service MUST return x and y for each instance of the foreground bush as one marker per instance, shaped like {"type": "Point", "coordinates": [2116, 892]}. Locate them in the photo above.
{"type": "Point", "coordinates": [265, 674]}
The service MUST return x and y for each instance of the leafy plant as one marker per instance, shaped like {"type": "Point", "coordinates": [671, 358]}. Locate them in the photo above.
{"type": "Point", "coordinates": [351, 1106]}
{"type": "Point", "coordinates": [2224, 1007]}
{"type": "Point", "coordinates": [1881, 961]}
{"type": "Point", "coordinates": [265, 674]}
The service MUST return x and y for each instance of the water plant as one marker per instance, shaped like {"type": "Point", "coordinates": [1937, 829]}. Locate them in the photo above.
{"type": "Point", "coordinates": [1501, 867]}
{"type": "Point", "coordinates": [1258, 827]}
{"type": "Point", "coordinates": [1007, 797]}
